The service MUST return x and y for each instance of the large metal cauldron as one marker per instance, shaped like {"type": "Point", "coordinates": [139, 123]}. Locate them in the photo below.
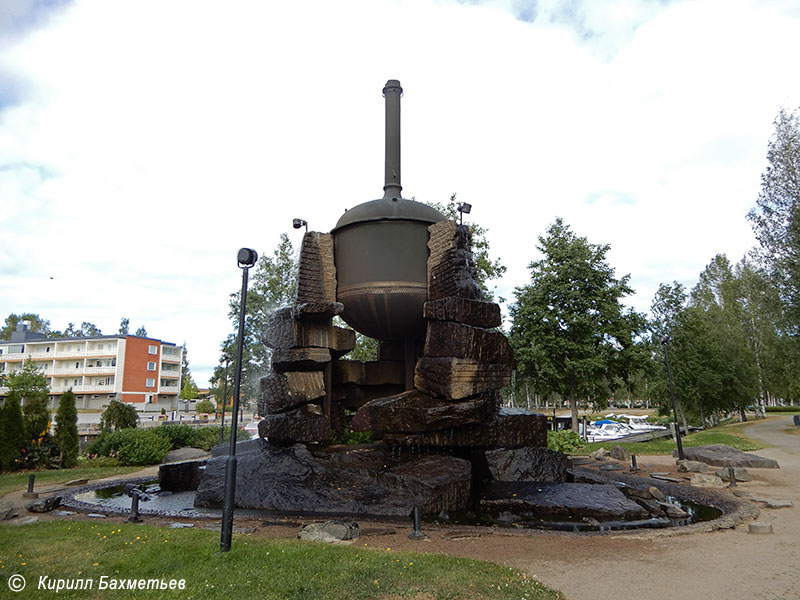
{"type": "Point", "coordinates": [381, 251]}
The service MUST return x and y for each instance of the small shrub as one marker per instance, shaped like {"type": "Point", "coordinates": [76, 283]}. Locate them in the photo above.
{"type": "Point", "coordinates": [208, 437]}
{"type": "Point", "coordinates": [353, 438]}
{"type": "Point", "coordinates": [204, 406]}
{"type": "Point", "coordinates": [179, 436]}
{"type": "Point", "coordinates": [133, 447]}
{"type": "Point", "coordinates": [119, 416]}
{"type": "Point", "coordinates": [564, 440]}
{"type": "Point", "coordinates": [66, 431]}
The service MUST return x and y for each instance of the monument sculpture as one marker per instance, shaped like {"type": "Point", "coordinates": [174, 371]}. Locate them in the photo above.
{"type": "Point", "coordinates": [395, 270]}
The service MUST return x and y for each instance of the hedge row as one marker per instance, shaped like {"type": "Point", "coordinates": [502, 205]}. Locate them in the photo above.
{"type": "Point", "coordinates": [783, 409]}
{"type": "Point", "coordinates": [140, 447]}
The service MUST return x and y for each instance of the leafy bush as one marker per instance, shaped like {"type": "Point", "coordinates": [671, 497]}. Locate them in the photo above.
{"type": "Point", "coordinates": [131, 446]}
{"type": "Point", "coordinates": [564, 440]}
{"type": "Point", "coordinates": [208, 437]}
{"type": "Point", "coordinates": [179, 436]}
{"type": "Point", "coordinates": [119, 416]}
{"type": "Point", "coordinates": [12, 432]}
{"type": "Point", "coordinates": [783, 409]}
{"type": "Point", "coordinates": [204, 406]}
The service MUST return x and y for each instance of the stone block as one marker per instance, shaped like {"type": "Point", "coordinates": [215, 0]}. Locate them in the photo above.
{"type": "Point", "coordinates": [759, 527]}
{"type": "Point", "coordinates": [706, 480]}
{"type": "Point", "coordinates": [506, 428]}
{"type": "Point", "coordinates": [304, 424]}
{"type": "Point", "coordinates": [300, 359]}
{"type": "Point", "coordinates": [459, 378]}
{"type": "Point", "coordinates": [344, 340]}
{"type": "Point", "coordinates": [317, 310]}
{"type": "Point", "coordinates": [449, 339]}
{"type": "Point", "coordinates": [353, 396]}
{"type": "Point", "coordinates": [413, 411]}
{"type": "Point", "coordinates": [527, 464]}
{"type": "Point", "coordinates": [391, 350]}
{"type": "Point", "coordinates": [451, 269]}
{"type": "Point", "coordinates": [316, 277]}
{"type": "Point", "coordinates": [720, 455]}
{"type": "Point", "coordinates": [284, 391]}
{"type": "Point", "coordinates": [692, 466]}
{"type": "Point", "coordinates": [477, 313]}
{"type": "Point", "coordinates": [382, 372]}
{"type": "Point", "coordinates": [348, 371]}
{"type": "Point", "coordinates": [283, 331]}
{"type": "Point", "coordinates": [353, 480]}
{"type": "Point", "coordinates": [621, 454]}
{"type": "Point", "coordinates": [181, 476]}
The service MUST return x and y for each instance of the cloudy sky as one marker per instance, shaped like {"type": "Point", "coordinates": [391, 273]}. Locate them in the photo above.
{"type": "Point", "coordinates": [143, 142]}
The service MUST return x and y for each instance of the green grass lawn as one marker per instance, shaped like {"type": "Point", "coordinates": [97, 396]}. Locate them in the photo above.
{"type": "Point", "coordinates": [10, 482]}
{"type": "Point", "coordinates": [730, 435]}
{"type": "Point", "coordinates": [254, 568]}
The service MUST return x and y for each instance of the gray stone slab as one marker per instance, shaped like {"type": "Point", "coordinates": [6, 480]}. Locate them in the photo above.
{"type": "Point", "coordinates": [720, 455]}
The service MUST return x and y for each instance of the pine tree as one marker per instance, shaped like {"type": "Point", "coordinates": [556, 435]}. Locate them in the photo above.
{"type": "Point", "coordinates": [66, 430]}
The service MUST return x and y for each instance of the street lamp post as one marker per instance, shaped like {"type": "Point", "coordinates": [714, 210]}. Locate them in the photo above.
{"type": "Point", "coordinates": [665, 343]}
{"type": "Point", "coordinates": [246, 259]}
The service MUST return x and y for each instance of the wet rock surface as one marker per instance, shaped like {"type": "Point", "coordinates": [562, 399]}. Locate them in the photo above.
{"type": "Point", "coordinates": [527, 464]}
{"type": "Point", "coordinates": [281, 392]}
{"type": "Point", "coordinates": [417, 412]}
{"type": "Point", "coordinates": [562, 501]}
{"type": "Point", "coordinates": [506, 428]}
{"type": "Point", "coordinates": [720, 455]}
{"type": "Point", "coordinates": [459, 378]}
{"type": "Point", "coordinates": [357, 480]}
{"type": "Point", "coordinates": [304, 424]}
{"type": "Point", "coordinates": [477, 313]}
{"type": "Point", "coordinates": [181, 476]}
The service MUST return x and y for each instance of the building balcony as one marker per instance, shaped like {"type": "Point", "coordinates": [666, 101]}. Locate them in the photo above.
{"type": "Point", "coordinates": [171, 374]}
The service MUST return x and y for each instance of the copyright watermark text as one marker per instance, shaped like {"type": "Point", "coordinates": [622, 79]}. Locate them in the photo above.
{"type": "Point", "coordinates": [17, 583]}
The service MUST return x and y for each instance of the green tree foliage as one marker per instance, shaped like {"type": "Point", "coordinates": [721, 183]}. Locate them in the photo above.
{"type": "Point", "coordinates": [488, 268]}
{"type": "Point", "coordinates": [30, 385]}
{"type": "Point", "coordinates": [141, 332]}
{"type": "Point", "coordinates": [273, 283]}
{"type": "Point", "coordinates": [186, 373]}
{"type": "Point", "coordinates": [12, 432]}
{"type": "Point", "coordinates": [37, 325]}
{"type": "Point", "coordinates": [189, 390]}
{"type": "Point", "coordinates": [204, 406]}
{"type": "Point", "coordinates": [66, 430]}
{"type": "Point", "coordinates": [124, 326]}
{"type": "Point", "coordinates": [118, 415]}
{"type": "Point", "coordinates": [570, 332]}
{"type": "Point", "coordinates": [776, 217]}
{"type": "Point", "coordinates": [90, 330]}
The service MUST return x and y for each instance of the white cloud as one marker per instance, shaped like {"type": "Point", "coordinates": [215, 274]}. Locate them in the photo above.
{"type": "Point", "coordinates": [147, 141]}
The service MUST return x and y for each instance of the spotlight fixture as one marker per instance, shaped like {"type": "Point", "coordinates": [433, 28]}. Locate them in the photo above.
{"type": "Point", "coordinates": [247, 258]}
{"type": "Point", "coordinates": [298, 223]}
{"type": "Point", "coordinates": [463, 208]}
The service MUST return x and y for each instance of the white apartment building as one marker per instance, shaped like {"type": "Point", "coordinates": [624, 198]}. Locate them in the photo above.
{"type": "Point", "coordinates": [144, 372]}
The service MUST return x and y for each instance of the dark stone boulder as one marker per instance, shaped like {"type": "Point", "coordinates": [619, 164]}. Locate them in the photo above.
{"type": "Point", "coordinates": [254, 445]}
{"type": "Point", "coordinates": [446, 339]}
{"type": "Point", "coordinates": [562, 501]}
{"type": "Point", "coordinates": [506, 428]}
{"type": "Point", "coordinates": [317, 310]}
{"type": "Point", "coordinates": [300, 359]}
{"type": "Point", "coordinates": [527, 464]}
{"type": "Point", "coordinates": [413, 411]}
{"type": "Point", "coordinates": [352, 480]}
{"type": "Point", "coordinates": [720, 455]}
{"type": "Point", "coordinates": [281, 392]}
{"type": "Point", "coordinates": [43, 505]}
{"type": "Point", "coordinates": [459, 378]}
{"type": "Point", "coordinates": [463, 310]}
{"type": "Point", "coordinates": [181, 476]}
{"type": "Point", "coordinates": [304, 424]}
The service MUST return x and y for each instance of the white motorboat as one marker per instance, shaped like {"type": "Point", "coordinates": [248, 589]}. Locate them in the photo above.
{"type": "Point", "coordinates": [639, 423]}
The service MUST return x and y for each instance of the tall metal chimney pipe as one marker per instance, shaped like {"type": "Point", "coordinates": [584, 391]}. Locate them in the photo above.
{"type": "Point", "coordinates": [392, 92]}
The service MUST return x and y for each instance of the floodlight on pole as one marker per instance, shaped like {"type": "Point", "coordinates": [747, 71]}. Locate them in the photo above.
{"type": "Point", "coordinates": [298, 223]}
{"type": "Point", "coordinates": [463, 208]}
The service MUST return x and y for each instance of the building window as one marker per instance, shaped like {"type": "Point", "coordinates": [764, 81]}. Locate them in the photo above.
{"type": "Point", "coordinates": [151, 366]}
{"type": "Point", "coordinates": [151, 382]}
{"type": "Point", "coordinates": [152, 349]}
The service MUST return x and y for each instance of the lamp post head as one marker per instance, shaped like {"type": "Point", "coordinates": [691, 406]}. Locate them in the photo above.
{"type": "Point", "coordinates": [247, 258]}
{"type": "Point", "coordinates": [298, 223]}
